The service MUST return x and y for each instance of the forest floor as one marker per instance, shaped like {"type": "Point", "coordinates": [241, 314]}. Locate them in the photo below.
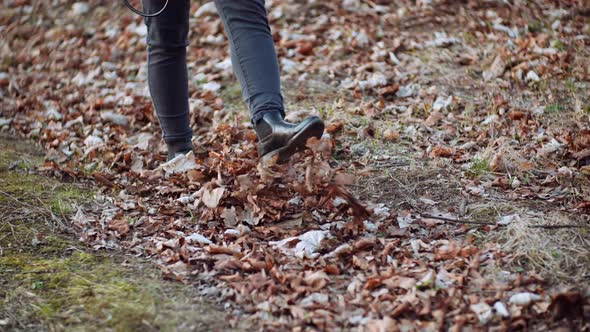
{"type": "Point", "coordinates": [451, 190]}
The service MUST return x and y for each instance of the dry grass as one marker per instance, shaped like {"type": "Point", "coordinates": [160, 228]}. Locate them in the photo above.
{"type": "Point", "coordinates": [561, 253]}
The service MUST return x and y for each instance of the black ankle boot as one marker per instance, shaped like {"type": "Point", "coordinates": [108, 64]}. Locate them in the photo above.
{"type": "Point", "coordinates": [275, 135]}
{"type": "Point", "coordinates": [177, 148]}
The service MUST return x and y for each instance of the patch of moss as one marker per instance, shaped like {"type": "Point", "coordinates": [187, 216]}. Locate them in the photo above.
{"type": "Point", "coordinates": [34, 189]}
{"type": "Point", "coordinates": [82, 288]}
{"type": "Point", "coordinates": [75, 290]}
{"type": "Point", "coordinates": [16, 179]}
{"type": "Point", "coordinates": [66, 198]}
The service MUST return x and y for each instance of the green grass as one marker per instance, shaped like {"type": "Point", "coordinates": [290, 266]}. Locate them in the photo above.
{"type": "Point", "coordinates": [554, 108]}
{"type": "Point", "coordinates": [559, 45]}
{"type": "Point", "coordinates": [479, 167]}
{"type": "Point", "coordinates": [232, 94]}
{"type": "Point", "coordinates": [17, 181]}
{"type": "Point", "coordinates": [81, 291]}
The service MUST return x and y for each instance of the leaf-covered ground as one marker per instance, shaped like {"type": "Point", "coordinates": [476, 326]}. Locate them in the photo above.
{"type": "Point", "coordinates": [464, 123]}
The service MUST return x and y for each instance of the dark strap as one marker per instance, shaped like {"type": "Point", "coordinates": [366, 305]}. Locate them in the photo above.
{"type": "Point", "coordinates": [126, 2]}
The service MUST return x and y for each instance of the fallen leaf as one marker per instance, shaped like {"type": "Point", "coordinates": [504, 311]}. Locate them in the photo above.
{"type": "Point", "coordinates": [567, 305]}
{"type": "Point", "coordinates": [120, 226]}
{"type": "Point", "coordinates": [441, 151]}
{"type": "Point", "coordinates": [212, 197]}
{"type": "Point", "coordinates": [524, 298]}
{"type": "Point", "coordinates": [496, 69]}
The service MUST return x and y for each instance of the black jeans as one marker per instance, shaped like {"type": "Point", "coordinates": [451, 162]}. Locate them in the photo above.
{"type": "Point", "coordinates": [253, 56]}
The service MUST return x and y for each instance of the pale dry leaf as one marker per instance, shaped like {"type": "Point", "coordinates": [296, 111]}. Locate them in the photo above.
{"type": "Point", "coordinates": [496, 69]}
{"type": "Point", "coordinates": [180, 164]}
{"type": "Point", "coordinates": [229, 215]}
{"type": "Point", "coordinates": [211, 197]}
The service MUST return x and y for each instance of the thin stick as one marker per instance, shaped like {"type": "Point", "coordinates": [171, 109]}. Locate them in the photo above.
{"type": "Point", "coordinates": [559, 226]}
{"type": "Point", "coordinates": [457, 221]}
{"type": "Point", "coordinates": [495, 224]}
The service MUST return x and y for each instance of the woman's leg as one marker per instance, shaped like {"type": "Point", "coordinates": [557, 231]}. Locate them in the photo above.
{"type": "Point", "coordinates": [255, 63]}
{"type": "Point", "coordinates": [167, 39]}
{"type": "Point", "coordinates": [253, 55]}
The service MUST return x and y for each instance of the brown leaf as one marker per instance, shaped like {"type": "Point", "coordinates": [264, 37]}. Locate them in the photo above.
{"type": "Point", "coordinates": [373, 283]}
{"type": "Point", "coordinates": [334, 127]}
{"type": "Point", "coordinates": [214, 249]}
{"type": "Point", "coordinates": [332, 269]}
{"type": "Point", "coordinates": [344, 179]}
{"type": "Point", "coordinates": [316, 280]}
{"type": "Point", "coordinates": [364, 244]}
{"type": "Point", "coordinates": [583, 205]}
{"type": "Point", "coordinates": [433, 119]}
{"type": "Point", "coordinates": [359, 262]}
{"type": "Point", "coordinates": [305, 48]}
{"type": "Point", "coordinates": [246, 183]}
{"type": "Point", "coordinates": [298, 312]}
{"type": "Point", "coordinates": [517, 115]}
{"type": "Point", "coordinates": [195, 175]}
{"type": "Point", "coordinates": [400, 309]}
{"type": "Point", "coordinates": [389, 90]}
{"type": "Point", "coordinates": [382, 325]}
{"type": "Point", "coordinates": [448, 251]}
{"type": "Point", "coordinates": [177, 271]}
{"type": "Point", "coordinates": [441, 151]}
{"type": "Point", "coordinates": [497, 163]}
{"type": "Point", "coordinates": [568, 304]}
{"type": "Point", "coordinates": [399, 282]}
{"type": "Point", "coordinates": [120, 226]}
{"type": "Point", "coordinates": [496, 69]}
{"type": "Point", "coordinates": [390, 135]}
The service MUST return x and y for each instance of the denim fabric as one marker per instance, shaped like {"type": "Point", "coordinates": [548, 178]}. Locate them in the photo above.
{"type": "Point", "coordinates": [253, 56]}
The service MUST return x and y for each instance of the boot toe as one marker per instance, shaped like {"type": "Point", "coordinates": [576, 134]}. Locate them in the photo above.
{"type": "Point", "coordinates": [291, 140]}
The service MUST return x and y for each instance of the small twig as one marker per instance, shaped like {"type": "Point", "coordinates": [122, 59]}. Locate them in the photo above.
{"type": "Point", "coordinates": [559, 226]}
{"type": "Point", "coordinates": [31, 272]}
{"type": "Point", "coordinates": [577, 12]}
{"type": "Point", "coordinates": [457, 221]}
{"type": "Point", "coordinates": [12, 232]}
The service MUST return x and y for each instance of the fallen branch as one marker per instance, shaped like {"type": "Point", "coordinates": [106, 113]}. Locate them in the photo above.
{"type": "Point", "coordinates": [485, 223]}
{"type": "Point", "coordinates": [577, 12]}
{"type": "Point", "coordinates": [457, 221]}
{"type": "Point", "coordinates": [559, 226]}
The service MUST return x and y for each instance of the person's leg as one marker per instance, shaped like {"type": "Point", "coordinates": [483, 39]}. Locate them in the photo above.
{"type": "Point", "coordinates": [253, 55]}
{"type": "Point", "coordinates": [167, 39]}
{"type": "Point", "coordinates": [255, 63]}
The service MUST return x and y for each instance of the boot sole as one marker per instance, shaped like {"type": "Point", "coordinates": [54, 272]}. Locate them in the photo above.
{"type": "Point", "coordinates": [298, 142]}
